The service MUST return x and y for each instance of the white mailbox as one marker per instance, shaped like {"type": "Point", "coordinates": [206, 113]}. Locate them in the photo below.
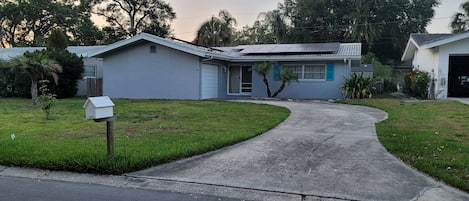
{"type": "Point", "coordinates": [99, 107]}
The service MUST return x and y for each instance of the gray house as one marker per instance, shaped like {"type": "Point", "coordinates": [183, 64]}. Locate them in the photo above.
{"type": "Point", "coordinates": [150, 67]}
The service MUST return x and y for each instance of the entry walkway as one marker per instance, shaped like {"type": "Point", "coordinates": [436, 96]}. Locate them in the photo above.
{"type": "Point", "coordinates": [322, 151]}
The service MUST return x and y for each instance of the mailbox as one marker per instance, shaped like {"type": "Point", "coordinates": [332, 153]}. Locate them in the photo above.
{"type": "Point", "coordinates": [99, 107]}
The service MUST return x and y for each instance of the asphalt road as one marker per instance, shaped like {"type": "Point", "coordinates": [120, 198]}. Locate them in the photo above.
{"type": "Point", "coordinates": [25, 189]}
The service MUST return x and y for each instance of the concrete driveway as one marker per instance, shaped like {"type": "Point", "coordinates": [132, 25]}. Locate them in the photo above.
{"type": "Point", "coordinates": [323, 151]}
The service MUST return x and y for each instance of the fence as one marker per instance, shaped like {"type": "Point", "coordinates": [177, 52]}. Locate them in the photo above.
{"type": "Point", "coordinates": [94, 87]}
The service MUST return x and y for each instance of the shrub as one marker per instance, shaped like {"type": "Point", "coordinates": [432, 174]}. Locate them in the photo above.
{"type": "Point", "coordinates": [72, 70]}
{"type": "Point", "coordinates": [357, 86]}
{"type": "Point", "coordinates": [416, 84]}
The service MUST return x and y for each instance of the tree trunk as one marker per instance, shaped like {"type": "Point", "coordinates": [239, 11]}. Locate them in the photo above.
{"type": "Point", "coordinates": [282, 86]}
{"type": "Point", "coordinates": [34, 91]}
{"type": "Point", "coordinates": [266, 82]}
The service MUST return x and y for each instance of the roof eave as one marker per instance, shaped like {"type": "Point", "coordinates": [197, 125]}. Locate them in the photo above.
{"type": "Point", "coordinates": [146, 37]}
{"type": "Point", "coordinates": [447, 40]}
{"type": "Point", "coordinates": [409, 49]}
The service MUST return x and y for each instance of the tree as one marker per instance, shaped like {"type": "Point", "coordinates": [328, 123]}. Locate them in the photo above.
{"type": "Point", "coordinates": [36, 65]}
{"type": "Point", "coordinates": [57, 40]}
{"type": "Point", "coordinates": [218, 31]}
{"type": "Point", "coordinates": [460, 20]}
{"type": "Point", "coordinates": [286, 77]}
{"type": "Point", "coordinates": [72, 71]}
{"type": "Point", "coordinates": [28, 22]}
{"type": "Point", "coordinates": [380, 23]}
{"type": "Point", "coordinates": [72, 65]}
{"type": "Point", "coordinates": [134, 16]}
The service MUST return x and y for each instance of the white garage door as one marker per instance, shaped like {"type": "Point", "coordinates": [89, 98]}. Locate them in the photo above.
{"type": "Point", "coordinates": [209, 81]}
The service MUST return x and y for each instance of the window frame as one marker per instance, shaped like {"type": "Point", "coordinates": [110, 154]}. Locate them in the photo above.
{"type": "Point", "coordinates": [95, 67]}
{"type": "Point", "coordinates": [301, 75]}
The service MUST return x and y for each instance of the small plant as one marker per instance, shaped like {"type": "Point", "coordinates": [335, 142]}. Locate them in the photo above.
{"type": "Point", "coordinates": [46, 100]}
{"type": "Point", "coordinates": [357, 86]}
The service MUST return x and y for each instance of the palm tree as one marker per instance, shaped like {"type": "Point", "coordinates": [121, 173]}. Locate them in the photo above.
{"type": "Point", "coordinates": [36, 65]}
{"type": "Point", "coordinates": [362, 29]}
{"type": "Point", "coordinates": [218, 31]}
{"type": "Point", "coordinates": [460, 21]}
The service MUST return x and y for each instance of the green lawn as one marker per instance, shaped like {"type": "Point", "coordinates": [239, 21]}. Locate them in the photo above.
{"type": "Point", "coordinates": [147, 132]}
{"type": "Point", "coordinates": [430, 136]}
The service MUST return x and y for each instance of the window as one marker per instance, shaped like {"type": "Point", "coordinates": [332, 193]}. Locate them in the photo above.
{"type": "Point", "coordinates": [90, 71]}
{"type": "Point", "coordinates": [308, 71]}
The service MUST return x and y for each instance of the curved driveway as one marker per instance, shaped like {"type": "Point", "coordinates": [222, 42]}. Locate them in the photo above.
{"type": "Point", "coordinates": [322, 151]}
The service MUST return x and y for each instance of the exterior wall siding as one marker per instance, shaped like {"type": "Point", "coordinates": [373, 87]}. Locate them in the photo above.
{"type": "Point", "coordinates": [306, 89]}
{"type": "Point", "coordinates": [138, 74]}
{"type": "Point", "coordinates": [460, 48]}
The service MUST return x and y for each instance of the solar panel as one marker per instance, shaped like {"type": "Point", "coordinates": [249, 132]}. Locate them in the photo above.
{"type": "Point", "coordinates": [292, 48]}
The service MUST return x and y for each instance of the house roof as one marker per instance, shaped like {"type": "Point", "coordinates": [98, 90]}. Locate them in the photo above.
{"type": "Point", "coordinates": [177, 45]}
{"type": "Point", "coordinates": [425, 40]}
{"type": "Point", "coordinates": [84, 51]}
{"type": "Point", "coordinates": [242, 53]}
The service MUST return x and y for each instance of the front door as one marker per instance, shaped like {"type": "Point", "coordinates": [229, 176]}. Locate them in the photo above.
{"type": "Point", "coordinates": [240, 80]}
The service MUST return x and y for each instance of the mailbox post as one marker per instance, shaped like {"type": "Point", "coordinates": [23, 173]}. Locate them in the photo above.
{"type": "Point", "coordinates": [101, 109]}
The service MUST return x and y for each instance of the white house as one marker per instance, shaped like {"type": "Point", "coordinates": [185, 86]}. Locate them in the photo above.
{"type": "Point", "coordinates": [445, 57]}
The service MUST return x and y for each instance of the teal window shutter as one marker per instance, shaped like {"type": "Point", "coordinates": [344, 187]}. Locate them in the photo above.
{"type": "Point", "coordinates": [329, 72]}
{"type": "Point", "coordinates": [277, 70]}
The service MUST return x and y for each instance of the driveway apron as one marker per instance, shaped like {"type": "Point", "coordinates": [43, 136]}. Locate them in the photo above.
{"type": "Point", "coordinates": [323, 150]}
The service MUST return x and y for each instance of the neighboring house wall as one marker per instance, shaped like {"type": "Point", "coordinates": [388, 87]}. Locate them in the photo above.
{"type": "Point", "coordinates": [459, 48]}
{"type": "Point", "coordinates": [83, 83]}
{"type": "Point", "coordinates": [166, 74]}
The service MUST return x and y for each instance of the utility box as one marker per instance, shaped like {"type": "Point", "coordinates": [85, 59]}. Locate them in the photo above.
{"type": "Point", "coordinates": [99, 107]}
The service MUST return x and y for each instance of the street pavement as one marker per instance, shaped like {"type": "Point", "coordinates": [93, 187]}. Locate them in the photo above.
{"type": "Point", "coordinates": [26, 189]}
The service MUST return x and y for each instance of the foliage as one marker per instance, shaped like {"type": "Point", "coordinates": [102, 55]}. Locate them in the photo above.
{"type": "Point", "coordinates": [72, 70]}
{"type": "Point", "coordinates": [270, 27]}
{"type": "Point", "coordinates": [382, 74]}
{"type": "Point", "coordinates": [263, 69]}
{"type": "Point", "coordinates": [380, 25]}
{"type": "Point", "coordinates": [357, 86]}
{"type": "Point", "coordinates": [57, 40]}
{"type": "Point", "coordinates": [286, 77]}
{"type": "Point", "coordinates": [36, 65]}
{"type": "Point", "coordinates": [430, 136]}
{"type": "Point", "coordinates": [46, 100]}
{"type": "Point", "coordinates": [6, 79]}
{"type": "Point", "coordinates": [216, 32]}
{"type": "Point", "coordinates": [417, 83]}
{"type": "Point", "coordinates": [132, 17]}
{"type": "Point", "coordinates": [27, 23]}
{"type": "Point", "coordinates": [460, 21]}
{"type": "Point", "coordinates": [146, 133]}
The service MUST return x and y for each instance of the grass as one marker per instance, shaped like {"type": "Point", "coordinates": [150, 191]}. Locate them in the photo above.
{"type": "Point", "coordinates": [431, 136]}
{"type": "Point", "coordinates": [147, 133]}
